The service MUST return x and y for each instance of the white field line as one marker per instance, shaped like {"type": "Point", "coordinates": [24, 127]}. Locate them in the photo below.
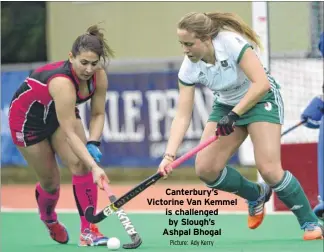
{"type": "Point", "coordinates": [70, 211]}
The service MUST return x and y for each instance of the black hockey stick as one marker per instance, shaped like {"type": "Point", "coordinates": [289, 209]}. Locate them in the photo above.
{"type": "Point", "coordinates": [125, 221]}
{"type": "Point", "coordinates": [112, 208]}
{"type": "Point", "coordinates": [293, 127]}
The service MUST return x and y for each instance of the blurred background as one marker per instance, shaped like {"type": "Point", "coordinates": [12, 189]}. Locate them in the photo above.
{"type": "Point", "coordinates": [143, 78]}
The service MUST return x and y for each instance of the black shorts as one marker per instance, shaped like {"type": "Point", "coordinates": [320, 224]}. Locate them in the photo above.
{"type": "Point", "coordinates": [32, 129]}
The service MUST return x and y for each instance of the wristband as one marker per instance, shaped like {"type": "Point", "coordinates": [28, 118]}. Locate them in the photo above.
{"type": "Point", "coordinates": [167, 155]}
{"type": "Point", "coordinates": [96, 143]}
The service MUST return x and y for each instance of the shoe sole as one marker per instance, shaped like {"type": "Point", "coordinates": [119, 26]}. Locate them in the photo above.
{"type": "Point", "coordinates": [93, 244]}
{"type": "Point", "coordinates": [314, 239]}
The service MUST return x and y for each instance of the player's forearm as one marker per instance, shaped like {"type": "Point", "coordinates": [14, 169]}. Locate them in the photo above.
{"type": "Point", "coordinates": [252, 97]}
{"type": "Point", "coordinates": [178, 129]}
{"type": "Point", "coordinates": [96, 127]}
{"type": "Point", "coordinates": [79, 149]}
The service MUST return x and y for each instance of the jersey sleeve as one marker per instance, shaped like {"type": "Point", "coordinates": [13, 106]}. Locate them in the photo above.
{"type": "Point", "coordinates": [235, 45]}
{"type": "Point", "coordinates": [185, 73]}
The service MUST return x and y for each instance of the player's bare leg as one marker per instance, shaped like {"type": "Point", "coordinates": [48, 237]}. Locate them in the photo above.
{"type": "Point", "coordinates": [266, 141]}
{"type": "Point", "coordinates": [84, 189]}
{"type": "Point", "coordinates": [212, 160]}
{"type": "Point", "coordinates": [40, 157]}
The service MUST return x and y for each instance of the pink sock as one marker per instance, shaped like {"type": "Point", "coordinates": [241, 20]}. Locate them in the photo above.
{"type": "Point", "coordinates": [46, 203]}
{"type": "Point", "coordinates": [85, 193]}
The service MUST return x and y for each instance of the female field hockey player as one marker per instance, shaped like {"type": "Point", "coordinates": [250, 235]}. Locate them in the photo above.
{"type": "Point", "coordinates": [221, 52]}
{"type": "Point", "coordinates": [44, 121]}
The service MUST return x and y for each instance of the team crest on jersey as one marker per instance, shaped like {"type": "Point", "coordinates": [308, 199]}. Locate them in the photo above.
{"type": "Point", "coordinates": [224, 63]}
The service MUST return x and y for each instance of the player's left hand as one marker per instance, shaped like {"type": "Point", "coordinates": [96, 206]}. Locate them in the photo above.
{"type": "Point", "coordinates": [93, 149]}
{"type": "Point", "coordinates": [226, 125]}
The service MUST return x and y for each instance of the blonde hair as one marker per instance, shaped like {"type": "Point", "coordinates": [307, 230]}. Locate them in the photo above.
{"type": "Point", "coordinates": [206, 25]}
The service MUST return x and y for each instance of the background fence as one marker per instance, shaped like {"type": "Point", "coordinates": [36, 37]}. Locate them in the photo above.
{"type": "Point", "coordinates": [141, 104]}
{"type": "Point", "coordinates": [143, 78]}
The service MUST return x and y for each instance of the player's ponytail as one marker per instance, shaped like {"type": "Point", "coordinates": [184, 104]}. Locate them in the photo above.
{"type": "Point", "coordinates": [93, 40]}
{"type": "Point", "coordinates": [206, 25]}
{"type": "Point", "coordinates": [96, 31]}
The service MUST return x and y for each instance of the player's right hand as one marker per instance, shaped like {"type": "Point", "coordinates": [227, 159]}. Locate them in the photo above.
{"type": "Point", "coordinates": [98, 176]}
{"type": "Point", "coordinates": [164, 167]}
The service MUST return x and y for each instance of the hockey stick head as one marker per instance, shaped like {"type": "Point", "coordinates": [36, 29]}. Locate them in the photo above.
{"type": "Point", "coordinates": [89, 215]}
{"type": "Point", "coordinates": [137, 241]}
{"type": "Point", "coordinates": [92, 218]}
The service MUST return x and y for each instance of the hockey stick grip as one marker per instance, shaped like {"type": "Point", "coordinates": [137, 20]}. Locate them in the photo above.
{"type": "Point", "coordinates": [192, 152]}
{"type": "Point", "coordinates": [111, 196]}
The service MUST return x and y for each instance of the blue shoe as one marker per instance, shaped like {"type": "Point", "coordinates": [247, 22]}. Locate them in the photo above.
{"type": "Point", "coordinates": [92, 237]}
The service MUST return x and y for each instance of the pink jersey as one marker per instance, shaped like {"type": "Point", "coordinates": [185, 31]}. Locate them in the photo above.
{"type": "Point", "coordinates": [32, 115]}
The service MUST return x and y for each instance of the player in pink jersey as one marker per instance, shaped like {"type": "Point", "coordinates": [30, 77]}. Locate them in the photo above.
{"type": "Point", "coordinates": [44, 122]}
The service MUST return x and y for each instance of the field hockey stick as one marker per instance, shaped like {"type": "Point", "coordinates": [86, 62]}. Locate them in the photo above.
{"type": "Point", "coordinates": [112, 208]}
{"type": "Point", "coordinates": [125, 221]}
{"type": "Point", "coordinates": [293, 127]}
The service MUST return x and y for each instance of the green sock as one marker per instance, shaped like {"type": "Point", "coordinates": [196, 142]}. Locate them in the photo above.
{"type": "Point", "coordinates": [293, 196]}
{"type": "Point", "coordinates": [230, 180]}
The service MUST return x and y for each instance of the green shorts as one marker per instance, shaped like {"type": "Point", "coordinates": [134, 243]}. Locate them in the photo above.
{"type": "Point", "coordinates": [269, 109]}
